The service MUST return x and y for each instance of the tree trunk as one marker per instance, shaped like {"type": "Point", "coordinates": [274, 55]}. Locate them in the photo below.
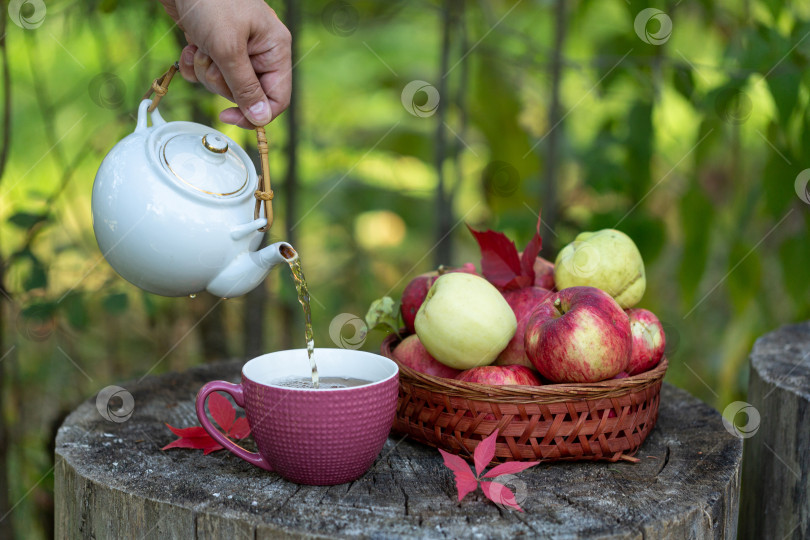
{"type": "Point", "coordinates": [444, 203]}
{"type": "Point", "coordinates": [548, 203]}
{"type": "Point", "coordinates": [776, 470]}
{"type": "Point", "coordinates": [113, 481]}
{"type": "Point", "coordinates": [289, 314]}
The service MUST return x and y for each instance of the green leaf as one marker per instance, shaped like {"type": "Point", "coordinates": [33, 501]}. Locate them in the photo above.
{"type": "Point", "coordinates": [75, 311]}
{"type": "Point", "coordinates": [774, 6]}
{"type": "Point", "coordinates": [39, 311]}
{"type": "Point", "coordinates": [115, 303]}
{"type": "Point", "coordinates": [795, 260]}
{"type": "Point", "coordinates": [778, 182]}
{"type": "Point", "coordinates": [25, 220]}
{"type": "Point", "coordinates": [684, 81]}
{"type": "Point", "coordinates": [696, 216]}
{"type": "Point", "coordinates": [640, 138]}
{"type": "Point", "coordinates": [384, 312]}
{"type": "Point", "coordinates": [784, 87]}
{"type": "Point", "coordinates": [745, 275]}
{"type": "Point", "coordinates": [37, 278]}
{"type": "Point", "coordinates": [149, 305]}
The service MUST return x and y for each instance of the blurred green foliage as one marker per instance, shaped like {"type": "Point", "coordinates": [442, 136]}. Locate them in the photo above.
{"type": "Point", "coordinates": [692, 146]}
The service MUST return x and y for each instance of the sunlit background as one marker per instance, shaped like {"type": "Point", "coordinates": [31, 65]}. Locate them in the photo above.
{"type": "Point", "coordinates": [687, 130]}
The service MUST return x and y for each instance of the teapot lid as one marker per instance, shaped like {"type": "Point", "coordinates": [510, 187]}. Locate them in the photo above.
{"type": "Point", "coordinates": [205, 161]}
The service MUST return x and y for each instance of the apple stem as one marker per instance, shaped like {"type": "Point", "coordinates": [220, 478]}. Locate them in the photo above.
{"type": "Point", "coordinates": [558, 305]}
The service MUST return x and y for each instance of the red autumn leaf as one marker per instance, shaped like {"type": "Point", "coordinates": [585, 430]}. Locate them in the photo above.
{"type": "Point", "coordinates": [221, 411]}
{"type": "Point", "coordinates": [484, 452]}
{"type": "Point", "coordinates": [510, 467]}
{"type": "Point", "coordinates": [465, 480]}
{"type": "Point", "coordinates": [500, 494]}
{"type": "Point", "coordinates": [193, 437]}
{"type": "Point", "coordinates": [197, 438]}
{"type": "Point", "coordinates": [189, 432]}
{"type": "Point", "coordinates": [501, 264]}
{"type": "Point", "coordinates": [240, 429]}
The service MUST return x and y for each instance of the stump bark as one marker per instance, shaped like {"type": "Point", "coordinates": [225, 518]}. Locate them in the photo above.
{"type": "Point", "coordinates": [113, 481]}
{"type": "Point", "coordinates": [776, 470]}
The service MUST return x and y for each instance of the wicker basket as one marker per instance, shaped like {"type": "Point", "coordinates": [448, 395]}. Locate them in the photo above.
{"type": "Point", "coordinates": [605, 421]}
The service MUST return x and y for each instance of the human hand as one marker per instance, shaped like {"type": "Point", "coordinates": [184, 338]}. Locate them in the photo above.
{"type": "Point", "coordinates": [240, 50]}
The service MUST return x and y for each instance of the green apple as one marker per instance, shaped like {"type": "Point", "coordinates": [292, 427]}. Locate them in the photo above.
{"type": "Point", "coordinates": [606, 259]}
{"type": "Point", "coordinates": [464, 321]}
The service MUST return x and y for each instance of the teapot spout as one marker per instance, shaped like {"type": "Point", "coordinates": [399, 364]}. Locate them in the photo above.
{"type": "Point", "coordinates": [277, 253]}
{"type": "Point", "coordinates": [249, 269]}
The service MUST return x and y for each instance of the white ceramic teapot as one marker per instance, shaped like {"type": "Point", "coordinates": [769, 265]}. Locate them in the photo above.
{"type": "Point", "coordinates": [173, 211]}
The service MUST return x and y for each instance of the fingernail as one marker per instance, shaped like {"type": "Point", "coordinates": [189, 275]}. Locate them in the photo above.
{"type": "Point", "coordinates": [188, 57]}
{"type": "Point", "coordinates": [260, 112]}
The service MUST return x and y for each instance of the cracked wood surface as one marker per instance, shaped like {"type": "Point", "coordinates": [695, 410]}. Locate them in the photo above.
{"type": "Point", "coordinates": [113, 481]}
{"type": "Point", "coordinates": [776, 490]}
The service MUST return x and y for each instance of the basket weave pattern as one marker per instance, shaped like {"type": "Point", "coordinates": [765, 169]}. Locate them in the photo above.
{"type": "Point", "coordinates": [605, 421]}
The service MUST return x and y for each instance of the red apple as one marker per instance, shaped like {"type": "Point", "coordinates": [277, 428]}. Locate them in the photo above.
{"type": "Point", "coordinates": [415, 292]}
{"type": "Point", "coordinates": [500, 375]}
{"type": "Point", "coordinates": [579, 335]}
{"type": "Point", "coordinates": [648, 341]}
{"type": "Point", "coordinates": [523, 302]}
{"type": "Point", "coordinates": [412, 353]}
{"type": "Point", "coordinates": [543, 274]}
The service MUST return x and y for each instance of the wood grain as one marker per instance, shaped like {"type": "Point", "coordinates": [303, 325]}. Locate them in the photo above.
{"type": "Point", "coordinates": [775, 499]}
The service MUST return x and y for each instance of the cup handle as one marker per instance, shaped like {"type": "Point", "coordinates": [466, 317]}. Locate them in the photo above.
{"type": "Point", "coordinates": [235, 390]}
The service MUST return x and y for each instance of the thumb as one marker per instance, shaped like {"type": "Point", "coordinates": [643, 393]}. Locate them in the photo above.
{"type": "Point", "coordinates": [241, 78]}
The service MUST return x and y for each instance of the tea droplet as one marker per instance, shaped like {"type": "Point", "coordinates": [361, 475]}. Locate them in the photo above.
{"type": "Point", "coordinates": [192, 296]}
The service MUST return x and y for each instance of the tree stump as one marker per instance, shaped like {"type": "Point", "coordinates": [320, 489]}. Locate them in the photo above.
{"type": "Point", "coordinates": [776, 474]}
{"type": "Point", "coordinates": [113, 481]}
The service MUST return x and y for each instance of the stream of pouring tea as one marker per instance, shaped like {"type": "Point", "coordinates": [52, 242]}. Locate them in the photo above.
{"type": "Point", "coordinates": [303, 298]}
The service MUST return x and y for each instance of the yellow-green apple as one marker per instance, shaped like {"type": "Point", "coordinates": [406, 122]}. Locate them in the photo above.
{"type": "Point", "coordinates": [464, 321]}
{"type": "Point", "coordinates": [523, 302]}
{"type": "Point", "coordinates": [413, 354]}
{"type": "Point", "coordinates": [415, 292]}
{"type": "Point", "coordinates": [543, 274]}
{"type": "Point", "coordinates": [649, 341]}
{"type": "Point", "coordinates": [500, 375]}
{"type": "Point", "coordinates": [579, 335]}
{"type": "Point", "coordinates": [606, 259]}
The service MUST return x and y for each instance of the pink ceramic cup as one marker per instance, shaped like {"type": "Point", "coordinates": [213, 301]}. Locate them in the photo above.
{"type": "Point", "coordinates": [316, 437]}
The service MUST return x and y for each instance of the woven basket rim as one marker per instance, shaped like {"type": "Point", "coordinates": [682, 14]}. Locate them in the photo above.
{"type": "Point", "coordinates": [548, 393]}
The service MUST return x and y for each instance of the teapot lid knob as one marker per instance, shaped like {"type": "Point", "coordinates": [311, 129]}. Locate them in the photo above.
{"type": "Point", "coordinates": [213, 142]}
